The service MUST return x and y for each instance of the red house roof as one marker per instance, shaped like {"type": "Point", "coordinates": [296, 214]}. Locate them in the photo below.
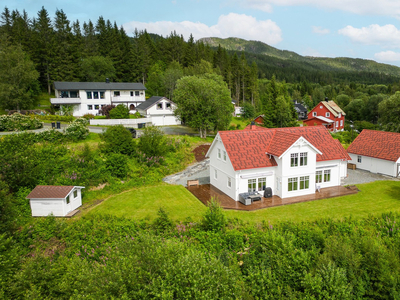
{"type": "Point", "coordinates": [247, 149]}
{"type": "Point", "coordinates": [377, 144]}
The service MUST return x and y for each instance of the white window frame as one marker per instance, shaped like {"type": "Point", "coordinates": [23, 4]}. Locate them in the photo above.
{"type": "Point", "coordinates": [341, 123]}
{"type": "Point", "coordinates": [327, 175]}
{"type": "Point", "coordinates": [294, 160]}
{"type": "Point", "coordinates": [219, 153]}
{"type": "Point", "coordinates": [337, 123]}
{"type": "Point", "coordinates": [294, 183]}
{"type": "Point", "coordinates": [318, 176]}
{"type": "Point", "coordinates": [75, 193]}
{"type": "Point", "coordinates": [224, 153]}
{"type": "Point", "coordinates": [229, 182]}
{"type": "Point", "coordinates": [303, 159]}
{"type": "Point", "coordinates": [261, 180]}
{"type": "Point", "coordinates": [359, 159]}
{"type": "Point", "coordinates": [314, 114]}
{"type": "Point", "coordinates": [306, 182]}
{"type": "Point", "coordinates": [327, 114]}
{"type": "Point", "coordinates": [90, 107]}
{"type": "Point", "coordinates": [252, 185]}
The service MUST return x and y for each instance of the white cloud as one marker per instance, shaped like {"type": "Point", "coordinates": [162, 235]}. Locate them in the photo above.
{"type": "Point", "coordinates": [387, 56]}
{"type": "Point", "coordinates": [362, 7]}
{"type": "Point", "coordinates": [320, 30]}
{"type": "Point", "coordinates": [231, 25]}
{"type": "Point", "coordinates": [387, 36]}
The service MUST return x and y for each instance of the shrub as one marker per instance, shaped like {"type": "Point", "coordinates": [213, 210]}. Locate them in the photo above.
{"type": "Point", "coordinates": [214, 218]}
{"type": "Point", "coordinates": [117, 165]}
{"type": "Point", "coordinates": [105, 111]}
{"type": "Point", "coordinates": [153, 142]}
{"type": "Point", "coordinates": [18, 122]}
{"type": "Point", "coordinates": [88, 116]}
{"type": "Point", "coordinates": [119, 112]}
{"type": "Point", "coordinates": [76, 130]}
{"type": "Point", "coordinates": [56, 118]}
{"type": "Point", "coordinates": [117, 139]}
{"type": "Point", "coordinates": [162, 222]}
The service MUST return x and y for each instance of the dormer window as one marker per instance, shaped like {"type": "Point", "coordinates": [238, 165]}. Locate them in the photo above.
{"type": "Point", "coordinates": [168, 105]}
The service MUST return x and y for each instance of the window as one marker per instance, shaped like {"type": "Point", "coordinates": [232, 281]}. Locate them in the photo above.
{"type": "Point", "coordinates": [292, 184]}
{"type": "Point", "coordinates": [314, 114]}
{"type": "Point", "coordinates": [252, 185]}
{"type": "Point", "coordinates": [96, 106]}
{"type": "Point", "coordinates": [95, 95]}
{"type": "Point", "coordinates": [304, 182]}
{"type": "Point", "coordinates": [327, 114]}
{"type": "Point", "coordinates": [159, 105]}
{"type": "Point", "coordinates": [64, 94]}
{"type": "Point", "coordinates": [327, 175]}
{"type": "Point", "coordinates": [341, 123]}
{"type": "Point", "coordinates": [359, 159]}
{"type": "Point", "coordinates": [90, 107]}
{"type": "Point", "coordinates": [131, 93]}
{"type": "Point", "coordinates": [340, 115]}
{"type": "Point", "coordinates": [224, 155]}
{"type": "Point", "coordinates": [229, 182]}
{"type": "Point", "coordinates": [137, 93]}
{"type": "Point", "coordinates": [219, 153]}
{"type": "Point", "coordinates": [168, 105]}
{"type": "Point", "coordinates": [318, 177]}
{"type": "Point", "coordinates": [68, 199]}
{"type": "Point", "coordinates": [320, 106]}
{"type": "Point", "coordinates": [262, 183]}
{"type": "Point", "coordinates": [117, 93]}
{"type": "Point", "coordinates": [303, 159]}
{"type": "Point", "coordinates": [101, 95]}
{"type": "Point", "coordinates": [89, 95]}
{"type": "Point", "coordinates": [215, 174]}
{"type": "Point", "coordinates": [337, 123]}
{"type": "Point", "coordinates": [294, 159]}
{"type": "Point", "coordinates": [75, 193]}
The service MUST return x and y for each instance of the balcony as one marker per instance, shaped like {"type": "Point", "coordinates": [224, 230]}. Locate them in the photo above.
{"type": "Point", "coordinates": [127, 99]}
{"type": "Point", "coordinates": [60, 101]}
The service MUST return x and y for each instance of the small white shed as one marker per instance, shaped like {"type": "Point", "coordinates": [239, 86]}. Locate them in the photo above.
{"type": "Point", "coordinates": [55, 200]}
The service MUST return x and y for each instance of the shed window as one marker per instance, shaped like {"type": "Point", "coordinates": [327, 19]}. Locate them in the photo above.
{"type": "Point", "coordinates": [75, 193]}
{"type": "Point", "coordinates": [359, 158]}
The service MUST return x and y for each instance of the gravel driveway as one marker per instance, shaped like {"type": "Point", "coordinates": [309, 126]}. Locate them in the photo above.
{"type": "Point", "coordinates": [360, 176]}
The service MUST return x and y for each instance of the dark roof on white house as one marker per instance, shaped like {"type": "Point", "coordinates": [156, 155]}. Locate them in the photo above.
{"type": "Point", "coordinates": [150, 102]}
{"type": "Point", "coordinates": [65, 85]}
{"type": "Point", "coordinates": [300, 108]}
{"type": "Point", "coordinates": [51, 191]}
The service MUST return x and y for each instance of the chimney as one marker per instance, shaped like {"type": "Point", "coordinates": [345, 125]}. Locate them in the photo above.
{"type": "Point", "coordinates": [107, 80]}
{"type": "Point", "coordinates": [252, 124]}
{"type": "Point", "coordinates": [326, 99]}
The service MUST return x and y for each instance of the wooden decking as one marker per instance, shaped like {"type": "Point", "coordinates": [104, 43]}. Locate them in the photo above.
{"type": "Point", "coordinates": [206, 191]}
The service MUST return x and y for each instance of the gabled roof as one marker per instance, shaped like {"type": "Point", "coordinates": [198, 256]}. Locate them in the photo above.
{"type": "Point", "coordinates": [333, 107]}
{"type": "Point", "coordinates": [321, 118]}
{"type": "Point", "coordinates": [247, 148]}
{"type": "Point", "coordinates": [377, 144]}
{"type": "Point", "coordinates": [300, 107]}
{"type": "Point", "coordinates": [51, 192]}
{"type": "Point", "coordinates": [150, 102]}
{"type": "Point", "coordinates": [65, 85]}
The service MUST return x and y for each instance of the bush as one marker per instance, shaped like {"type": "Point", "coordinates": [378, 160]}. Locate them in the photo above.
{"type": "Point", "coordinates": [214, 218]}
{"type": "Point", "coordinates": [117, 139]}
{"type": "Point", "coordinates": [56, 118]}
{"type": "Point", "coordinates": [105, 111]}
{"type": "Point", "coordinates": [153, 142]}
{"type": "Point", "coordinates": [88, 116]}
{"type": "Point", "coordinates": [248, 111]}
{"type": "Point", "coordinates": [76, 130]}
{"type": "Point", "coordinates": [119, 112]}
{"type": "Point", "coordinates": [18, 122]}
{"type": "Point", "coordinates": [162, 222]}
{"type": "Point", "coordinates": [117, 165]}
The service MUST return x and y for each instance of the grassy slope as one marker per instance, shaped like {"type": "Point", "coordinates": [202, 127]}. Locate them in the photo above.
{"type": "Point", "coordinates": [374, 198]}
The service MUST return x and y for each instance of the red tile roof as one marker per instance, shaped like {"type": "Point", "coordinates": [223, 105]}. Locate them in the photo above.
{"type": "Point", "coordinates": [247, 148]}
{"type": "Point", "coordinates": [49, 191]}
{"type": "Point", "coordinates": [377, 144]}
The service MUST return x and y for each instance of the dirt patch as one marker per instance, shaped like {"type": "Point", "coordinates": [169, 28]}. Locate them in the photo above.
{"type": "Point", "coordinates": [200, 152]}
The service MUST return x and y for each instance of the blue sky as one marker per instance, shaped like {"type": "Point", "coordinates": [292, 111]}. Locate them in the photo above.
{"type": "Point", "coordinates": [367, 29]}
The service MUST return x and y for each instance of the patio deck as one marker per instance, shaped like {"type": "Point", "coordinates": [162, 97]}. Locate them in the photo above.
{"type": "Point", "coordinates": [206, 191]}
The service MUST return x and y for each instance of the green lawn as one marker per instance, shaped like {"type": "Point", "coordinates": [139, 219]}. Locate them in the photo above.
{"type": "Point", "coordinates": [374, 198]}
{"type": "Point", "coordinates": [144, 203]}
{"type": "Point", "coordinates": [240, 121]}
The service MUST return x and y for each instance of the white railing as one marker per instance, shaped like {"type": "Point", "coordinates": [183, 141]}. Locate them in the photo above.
{"type": "Point", "coordinates": [123, 99]}
{"type": "Point", "coordinates": [125, 122]}
{"type": "Point", "coordinates": [65, 100]}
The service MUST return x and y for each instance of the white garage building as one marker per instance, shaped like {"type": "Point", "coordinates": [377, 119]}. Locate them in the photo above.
{"type": "Point", "coordinates": [160, 110]}
{"type": "Point", "coordinates": [377, 152]}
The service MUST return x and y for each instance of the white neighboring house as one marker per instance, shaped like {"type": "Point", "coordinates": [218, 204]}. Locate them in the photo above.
{"type": "Point", "coordinates": [377, 152]}
{"type": "Point", "coordinates": [292, 161]}
{"type": "Point", "coordinates": [160, 110]}
{"type": "Point", "coordinates": [55, 200]}
{"type": "Point", "coordinates": [90, 97]}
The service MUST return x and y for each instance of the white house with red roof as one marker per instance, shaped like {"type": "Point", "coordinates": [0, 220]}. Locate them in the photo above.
{"type": "Point", "coordinates": [328, 114]}
{"type": "Point", "coordinates": [54, 200]}
{"type": "Point", "coordinates": [377, 152]}
{"type": "Point", "coordinates": [291, 161]}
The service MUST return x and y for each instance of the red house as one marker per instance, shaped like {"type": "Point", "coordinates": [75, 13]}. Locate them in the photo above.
{"type": "Point", "coordinates": [326, 113]}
